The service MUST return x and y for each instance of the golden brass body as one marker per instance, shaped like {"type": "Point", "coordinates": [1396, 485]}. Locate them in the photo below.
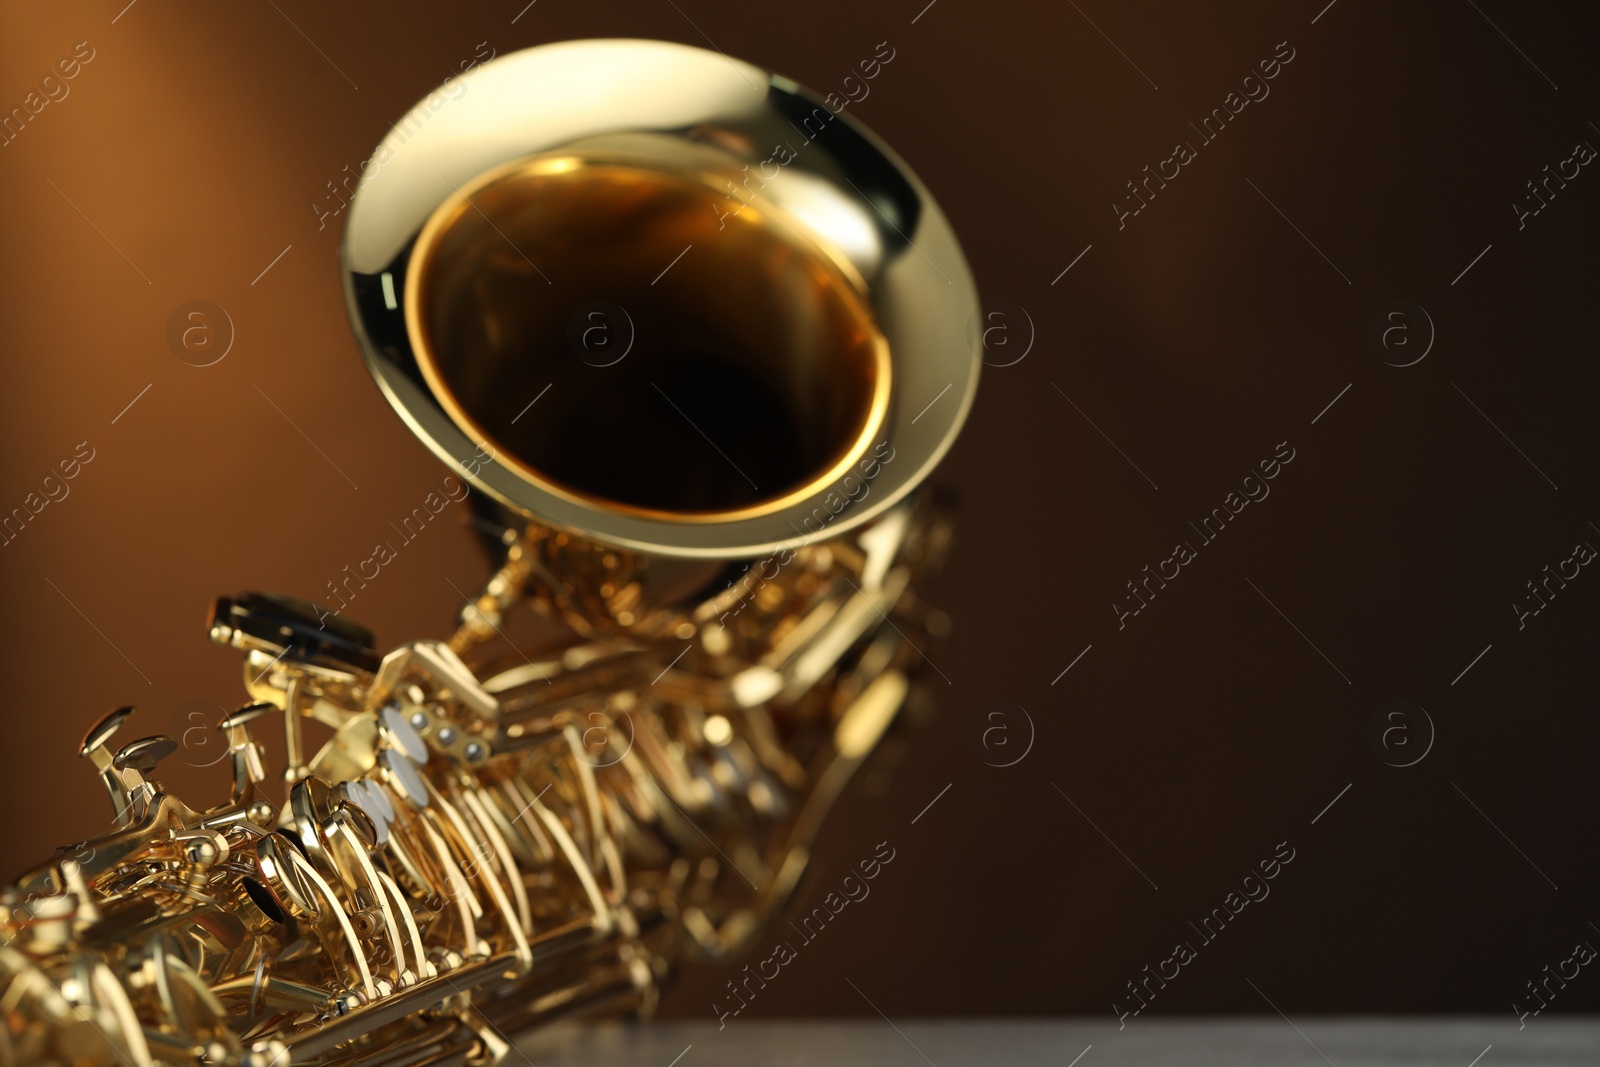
{"type": "Point", "coordinates": [722, 517]}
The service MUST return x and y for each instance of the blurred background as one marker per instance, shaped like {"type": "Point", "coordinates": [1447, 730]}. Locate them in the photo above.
{"type": "Point", "coordinates": [1349, 266]}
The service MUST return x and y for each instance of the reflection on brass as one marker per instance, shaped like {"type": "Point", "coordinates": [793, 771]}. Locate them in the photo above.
{"type": "Point", "coordinates": [477, 837]}
{"type": "Point", "coordinates": [761, 342]}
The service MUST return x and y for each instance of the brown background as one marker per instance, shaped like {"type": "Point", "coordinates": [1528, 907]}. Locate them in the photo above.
{"type": "Point", "coordinates": [1197, 338]}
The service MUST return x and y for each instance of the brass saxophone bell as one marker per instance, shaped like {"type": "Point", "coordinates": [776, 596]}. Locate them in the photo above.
{"type": "Point", "coordinates": [662, 301]}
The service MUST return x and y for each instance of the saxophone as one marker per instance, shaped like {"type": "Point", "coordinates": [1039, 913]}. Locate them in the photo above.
{"type": "Point", "coordinates": [693, 337]}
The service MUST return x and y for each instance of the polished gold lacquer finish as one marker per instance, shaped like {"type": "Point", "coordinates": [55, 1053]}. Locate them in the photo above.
{"type": "Point", "coordinates": [770, 336]}
{"type": "Point", "coordinates": [718, 507]}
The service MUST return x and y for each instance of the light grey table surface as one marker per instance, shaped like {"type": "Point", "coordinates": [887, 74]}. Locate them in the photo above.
{"type": "Point", "coordinates": [1312, 1042]}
